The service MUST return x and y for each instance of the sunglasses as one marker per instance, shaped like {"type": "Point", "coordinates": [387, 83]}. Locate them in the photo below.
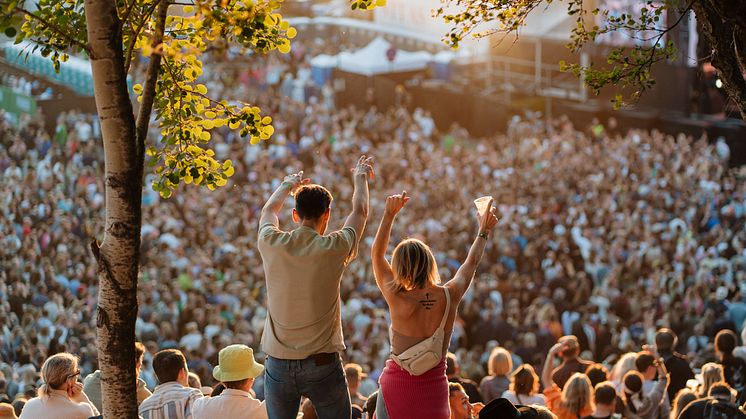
{"type": "Point", "coordinates": [77, 373]}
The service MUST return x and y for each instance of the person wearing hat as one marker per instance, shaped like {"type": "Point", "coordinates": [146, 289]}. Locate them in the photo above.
{"type": "Point", "coordinates": [236, 370]}
{"type": "Point", "coordinates": [354, 374]}
{"type": "Point", "coordinates": [503, 409]}
{"type": "Point", "coordinates": [571, 363]}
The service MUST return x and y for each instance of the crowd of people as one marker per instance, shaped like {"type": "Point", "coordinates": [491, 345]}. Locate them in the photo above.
{"type": "Point", "coordinates": [603, 235]}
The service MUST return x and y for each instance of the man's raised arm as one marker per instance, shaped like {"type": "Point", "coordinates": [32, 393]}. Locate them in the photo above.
{"type": "Point", "coordinates": [274, 204]}
{"type": "Point", "coordinates": [359, 215]}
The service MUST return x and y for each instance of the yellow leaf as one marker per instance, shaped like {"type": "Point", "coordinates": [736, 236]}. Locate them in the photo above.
{"type": "Point", "coordinates": [188, 179]}
{"type": "Point", "coordinates": [284, 25]}
{"type": "Point", "coordinates": [208, 124]}
{"type": "Point", "coordinates": [201, 89]}
{"type": "Point", "coordinates": [234, 125]}
{"type": "Point", "coordinates": [269, 130]}
{"type": "Point", "coordinates": [292, 33]}
{"type": "Point", "coordinates": [188, 9]}
{"type": "Point", "coordinates": [221, 181]}
{"type": "Point", "coordinates": [254, 140]}
{"type": "Point", "coordinates": [210, 114]}
{"type": "Point", "coordinates": [209, 152]}
{"type": "Point", "coordinates": [284, 48]}
{"type": "Point", "coordinates": [205, 136]}
{"type": "Point", "coordinates": [227, 164]}
{"type": "Point", "coordinates": [198, 180]}
{"type": "Point", "coordinates": [210, 186]}
{"type": "Point", "coordinates": [229, 171]}
{"type": "Point", "coordinates": [137, 88]}
{"type": "Point", "coordinates": [380, 3]}
{"type": "Point", "coordinates": [267, 120]}
{"type": "Point", "coordinates": [199, 108]}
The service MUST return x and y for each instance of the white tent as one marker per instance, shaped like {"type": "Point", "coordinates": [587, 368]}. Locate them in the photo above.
{"type": "Point", "coordinates": [372, 59]}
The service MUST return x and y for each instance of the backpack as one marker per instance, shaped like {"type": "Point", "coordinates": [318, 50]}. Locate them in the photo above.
{"type": "Point", "coordinates": [717, 409]}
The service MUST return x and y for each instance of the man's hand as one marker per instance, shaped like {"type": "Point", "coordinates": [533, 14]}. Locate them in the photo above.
{"type": "Point", "coordinates": [395, 203]}
{"type": "Point", "coordinates": [364, 167]}
{"type": "Point", "coordinates": [295, 181]}
{"type": "Point", "coordinates": [556, 349]}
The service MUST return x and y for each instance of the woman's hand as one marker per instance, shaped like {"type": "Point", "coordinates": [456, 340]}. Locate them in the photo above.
{"type": "Point", "coordinates": [395, 203]}
{"type": "Point", "coordinates": [75, 390]}
{"type": "Point", "coordinates": [488, 220]}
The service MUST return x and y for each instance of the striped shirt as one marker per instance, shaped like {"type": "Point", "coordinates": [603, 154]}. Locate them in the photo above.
{"type": "Point", "coordinates": [170, 401]}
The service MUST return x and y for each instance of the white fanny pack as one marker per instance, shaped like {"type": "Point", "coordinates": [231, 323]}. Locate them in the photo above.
{"type": "Point", "coordinates": [426, 354]}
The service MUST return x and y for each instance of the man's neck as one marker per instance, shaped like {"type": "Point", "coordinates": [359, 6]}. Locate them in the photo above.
{"type": "Point", "coordinates": [602, 411]}
{"type": "Point", "coordinates": [313, 225]}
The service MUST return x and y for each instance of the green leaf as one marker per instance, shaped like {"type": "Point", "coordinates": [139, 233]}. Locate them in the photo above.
{"type": "Point", "coordinates": [10, 32]}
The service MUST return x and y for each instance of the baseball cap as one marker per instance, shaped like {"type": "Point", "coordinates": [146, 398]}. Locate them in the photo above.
{"type": "Point", "coordinates": [504, 409]}
{"type": "Point", "coordinates": [236, 363]}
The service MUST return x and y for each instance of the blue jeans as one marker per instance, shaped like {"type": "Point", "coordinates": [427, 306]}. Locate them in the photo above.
{"type": "Point", "coordinates": [286, 380]}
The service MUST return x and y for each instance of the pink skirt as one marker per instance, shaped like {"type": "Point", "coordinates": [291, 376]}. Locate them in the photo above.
{"type": "Point", "coordinates": [415, 397]}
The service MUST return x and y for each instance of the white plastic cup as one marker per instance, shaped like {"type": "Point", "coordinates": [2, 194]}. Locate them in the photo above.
{"type": "Point", "coordinates": [481, 204]}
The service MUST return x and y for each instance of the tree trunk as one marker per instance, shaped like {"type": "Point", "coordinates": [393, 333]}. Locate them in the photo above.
{"type": "Point", "coordinates": [723, 28]}
{"type": "Point", "coordinates": [118, 254]}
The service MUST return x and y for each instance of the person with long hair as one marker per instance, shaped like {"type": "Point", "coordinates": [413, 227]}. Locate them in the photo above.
{"type": "Point", "coordinates": [524, 387]}
{"type": "Point", "coordinates": [413, 383]}
{"type": "Point", "coordinates": [61, 395]}
{"type": "Point", "coordinates": [681, 401]}
{"type": "Point", "coordinates": [638, 404]}
{"type": "Point", "coordinates": [711, 374]}
{"type": "Point", "coordinates": [575, 399]}
{"type": "Point", "coordinates": [497, 382]}
{"type": "Point", "coordinates": [625, 364]}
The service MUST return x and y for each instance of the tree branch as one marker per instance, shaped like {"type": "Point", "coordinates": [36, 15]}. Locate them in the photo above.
{"type": "Point", "coordinates": [148, 95]}
{"type": "Point", "coordinates": [127, 13]}
{"type": "Point", "coordinates": [135, 34]}
{"type": "Point", "coordinates": [57, 30]}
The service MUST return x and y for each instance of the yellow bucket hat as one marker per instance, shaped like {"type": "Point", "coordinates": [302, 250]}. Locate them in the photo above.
{"type": "Point", "coordinates": [236, 363]}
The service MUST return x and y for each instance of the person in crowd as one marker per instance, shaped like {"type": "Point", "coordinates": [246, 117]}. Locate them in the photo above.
{"type": "Point", "coordinates": [639, 403]}
{"type": "Point", "coordinates": [681, 401]}
{"type": "Point", "coordinates": [236, 370]}
{"type": "Point", "coordinates": [649, 368]}
{"type": "Point", "coordinates": [413, 383]}
{"type": "Point", "coordinates": [354, 375]}
{"type": "Point", "coordinates": [604, 399]}
{"type": "Point", "coordinates": [571, 362]}
{"type": "Point", "coordinates": [303, 325]}
{"type": "Point", "coordinates": [62, 394]}
{"type": "Point", "coordinates": [576, 398]}
{"type": "Point", "coordinates": [497, 382]}
{"type": "Point", "coordinates": [734, 368]}
{"type": "Point", "coordinates": [719, 404]}
{"type": "Point", "coordinates": [676, 364]}
{"type": "Point", "coordinates": [524, 387]}
{"type": "Point", "coordinates": [597, 373]}
{"type": "Point", "coordinates": [453, 373]}
{"type": "Point", "coordinates": [172, 398]}
{"type": "Point", "coordinates": [502, 408]}
{"type": "Point", "coordinates": [711, 373]}
{"type": "Point", "coordinates": [7, 411]}
{"type": "Point", "coordinates": [624, 365]}
{"type": "Point", "coordinates": [92, 382]}
{"type": "Point", "coordinates": [458, 403]}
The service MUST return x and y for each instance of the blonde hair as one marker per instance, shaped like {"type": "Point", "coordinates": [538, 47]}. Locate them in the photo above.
{"type": "Point", "coordinates": [577, 394]}
{"type": "Point", "coordinates": [500, 362]}
{"type": "Point", "coordinates": [56, 370]}
{"type": "Point", "coordinates": [414, 265]}
{"type": "Point", "coordinates": [711, 374]}
{"type": "Point", "coordinates": [625, 364]}
{"type": "Point", "coordinates": [682, 400]}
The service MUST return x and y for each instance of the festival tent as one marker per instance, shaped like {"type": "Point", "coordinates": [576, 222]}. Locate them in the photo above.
{"type": "Point", "coordinates": [373, 59]}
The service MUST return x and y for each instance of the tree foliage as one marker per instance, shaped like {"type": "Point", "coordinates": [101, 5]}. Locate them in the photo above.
{"type": "Point", "coordinates": [185, 111]}
{"type": "Point", "coordinates": [627, 67]}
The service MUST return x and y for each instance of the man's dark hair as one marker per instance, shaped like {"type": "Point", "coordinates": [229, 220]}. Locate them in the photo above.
{"type": "Point", "coordinates": [604, 393]}
{"type": "Point", "coordinates": [311, 201]}
{"type": "Point", "coordinates": [721, 390]}
{"type": "Point", "coordinates": [644, 361]}
{"type": "Point", "coordinates": [665, 340]}
{"type": "Point", "coordinates": [597, 373]}
{"type": "Point", "coordinates": [167, 364]}
{"type": "Point", "coordinates": [139, 350]}
{"type": "Point", "coordinates": [236, 385]}
{"type": "Point", "coordinates": [725, 342]}
{"type": "Point", "coordinates": [454, 387]}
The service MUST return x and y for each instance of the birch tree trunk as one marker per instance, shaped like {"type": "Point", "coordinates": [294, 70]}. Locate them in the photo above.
{"type": "Point", "coordinates": [119, 253]}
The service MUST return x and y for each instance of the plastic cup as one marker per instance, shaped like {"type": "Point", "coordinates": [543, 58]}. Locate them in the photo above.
{"type": "Point", "coordinates": [481, 204]}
